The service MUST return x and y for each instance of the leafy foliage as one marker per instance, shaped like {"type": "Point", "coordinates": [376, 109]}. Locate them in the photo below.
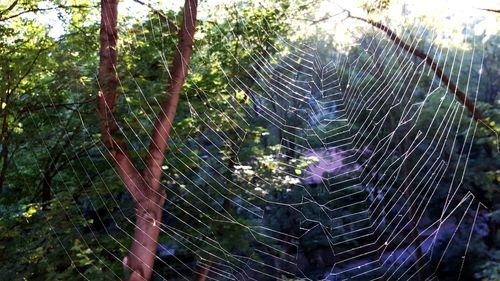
{"type": "Point", "coordinates": [64, 214]}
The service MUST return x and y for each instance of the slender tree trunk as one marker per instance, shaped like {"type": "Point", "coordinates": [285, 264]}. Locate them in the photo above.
{"type": "Point", "coordinates": [204, 271]}
{"type": "Point", "coordinates": [54, 166]}
{"type": "Point", "coordinates": [46, 183]}
{"type": "Point", "coordinates": [3, 141]}
{"type": "Point", "coordinates": [50, 172]}
{"type": "Point", "coordinates": [5, 164]}
{"type": "Point", "coordinates": [408, 191]}
{"type": "Point", "coordinates": [143, 186]}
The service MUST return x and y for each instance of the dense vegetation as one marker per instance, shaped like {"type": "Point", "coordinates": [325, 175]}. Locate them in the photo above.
{"type": "Point", "coordinates": [65, 214]}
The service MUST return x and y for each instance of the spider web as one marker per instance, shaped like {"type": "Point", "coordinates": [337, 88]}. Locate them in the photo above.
{"type": "Point", "coordinates": [347, 187]}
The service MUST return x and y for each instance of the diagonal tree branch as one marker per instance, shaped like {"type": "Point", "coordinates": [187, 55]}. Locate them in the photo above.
{"type": "Point", "coordinates": [163, 125]}
{"type": "Point", "coordinates": [452, 87]}
{"type": "Point", "coordinates": [491, 10]}
{"type": "Point", "coordinates": [107, 97]}
{"type": "Point", "coordinates": [162, 16]}
{"type": "Point", "coordinates": [36, 10]}
{"type": "Point", "coordinates": [107, 77]}
{"type": "Point", "coordinates": [31, 65]}
{"type": "Point", "coordinates": [9, 8]}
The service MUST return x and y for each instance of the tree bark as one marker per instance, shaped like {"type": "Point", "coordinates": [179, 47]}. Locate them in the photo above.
{"type": "Point", "coordinates": [4, 142]}
{"type": "Point", "coordinates": [148, 214]}
{"type": "Point", "coordinates": [46, 184]}
{"type": "Point", "coordinates": [408, 191]}
{"type": "Point", "coordinates": [204, 271]}
{"type": "Point", "coordinates": [5, 165]}
{"type": "Point", "coordinates": [143, 186]}
{"type": "Point", "coordinates": [452, 87]}
{"type": "Point", "coordinates": [51, 171]}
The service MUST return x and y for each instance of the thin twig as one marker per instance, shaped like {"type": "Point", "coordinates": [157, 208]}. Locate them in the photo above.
{"type": "Point", "coordinates": [36, 10]}
{"type": "Point", "coordinates": [171, 24]}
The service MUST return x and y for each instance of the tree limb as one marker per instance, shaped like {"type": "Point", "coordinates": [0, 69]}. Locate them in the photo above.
{"type": "Point", "coordinates": [163, 124]}
{"type": "Point", "coordinates": [9, 8]}
{"type": "Point", "coordinates": [35, 10]}
{"type": "Point", "coordinates": [491, 10]}
{"type": "Point", "coordinates": [108, 97]}
{"type": "Point", "coordinates": [452, 87]}
{"type": "Point", "coordinates": [31, 66]}
{"type": "Point", "coordinates": [160, 14]}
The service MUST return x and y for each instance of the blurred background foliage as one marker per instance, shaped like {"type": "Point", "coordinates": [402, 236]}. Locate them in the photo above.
{"type": "Point", "coordinates": [64, 214]}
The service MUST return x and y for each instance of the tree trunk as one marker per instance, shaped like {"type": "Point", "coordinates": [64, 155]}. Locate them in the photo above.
{"type": "Point", "coordinates": [46, 183]}
{"type": "Point", "coordinates": [147, 229]}
{"type": "Point", "coordinates": [5, 165]}
{"type": "Point", "coordinates": [50, 172]}
{"type": "Point", "coordinates": [3, 141]}
{"type": "Point", "coordinates": [144, 186]}
{"type": "Point", "coordinates": [408, 191]}
{"type": "Point", "coordinates": [204, 271]}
